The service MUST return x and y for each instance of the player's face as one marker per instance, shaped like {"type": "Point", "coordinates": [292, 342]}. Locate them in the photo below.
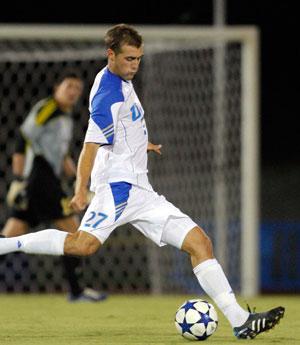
{"type": "Point", "coordinates": [68, 92]}
{"type": "Point", "coordinates": [125, 63]}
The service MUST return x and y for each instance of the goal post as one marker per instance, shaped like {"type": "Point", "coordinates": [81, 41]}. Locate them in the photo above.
{"type": "Point", "coordinates": [204, 109]}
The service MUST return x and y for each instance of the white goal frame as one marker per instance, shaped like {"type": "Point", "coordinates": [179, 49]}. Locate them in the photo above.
{"type": "Point", "coordinates": [249, 37]}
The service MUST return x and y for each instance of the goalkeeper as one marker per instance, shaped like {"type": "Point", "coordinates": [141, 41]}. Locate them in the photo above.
{"type": "Point", "coordinates": [39, 161]}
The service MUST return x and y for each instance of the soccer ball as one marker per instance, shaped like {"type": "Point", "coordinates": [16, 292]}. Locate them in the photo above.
{"type": "Point", "coordinates": [196, 319]}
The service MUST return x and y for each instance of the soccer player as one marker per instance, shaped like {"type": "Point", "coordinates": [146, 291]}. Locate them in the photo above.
{"type": "Point", "coordinates": [40, 159]}
{"type": "Point", "coordinates": [114, 155]}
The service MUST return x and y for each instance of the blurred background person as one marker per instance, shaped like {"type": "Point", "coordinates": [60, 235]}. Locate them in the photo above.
{"type": "Point", "coordinates": [40, 163]}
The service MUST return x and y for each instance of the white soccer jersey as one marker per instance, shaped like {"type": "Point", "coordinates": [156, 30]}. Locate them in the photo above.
{"type": "Point", "coordinates": [119, 176]}
{"type": "Point", "coordinates": [117, 123]}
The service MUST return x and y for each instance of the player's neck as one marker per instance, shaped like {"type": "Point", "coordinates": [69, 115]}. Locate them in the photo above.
{"type": "Point", "coordinates": [114, 72]}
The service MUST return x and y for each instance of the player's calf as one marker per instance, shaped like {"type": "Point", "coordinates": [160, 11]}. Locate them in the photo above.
{"type": "Point", "coordinates": [48, 241]}
{"type": "Point", "coordinates": [51, 242]}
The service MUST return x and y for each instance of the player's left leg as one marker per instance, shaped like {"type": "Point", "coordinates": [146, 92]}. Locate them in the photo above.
{"type": "Point", "coordinates": [211, 276]}
{"type": "Point", "coordinates": [214, 282]}
{"type": "Point", "coordinates": [72, 267]}
{"type": "Point", "coordinates": [163, 223]}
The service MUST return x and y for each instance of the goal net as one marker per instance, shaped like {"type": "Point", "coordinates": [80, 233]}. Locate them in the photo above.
{"type": "Point", "coordinates": [199, 90]}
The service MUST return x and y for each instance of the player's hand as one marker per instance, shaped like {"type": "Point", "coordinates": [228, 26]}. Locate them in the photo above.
{"type": "Point", "coordinates": [154, 147]}
{"type": "Point", "coordinates": [79, 201]}
{"type": "Point", "coordinates": [17, 195]}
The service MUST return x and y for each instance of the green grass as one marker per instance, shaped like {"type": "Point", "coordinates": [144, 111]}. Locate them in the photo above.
{"type": "Point", "coordinates": [123, 319]}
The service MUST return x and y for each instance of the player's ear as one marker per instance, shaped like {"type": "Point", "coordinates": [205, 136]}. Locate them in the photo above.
{"type": "Point", "coordinates": [110, 54]}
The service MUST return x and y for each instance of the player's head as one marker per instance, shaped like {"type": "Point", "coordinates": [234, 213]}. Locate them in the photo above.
{"type": "Point", "coordinates": [67, 90]}
{"type": "Point", "coordinates": [124, 50]}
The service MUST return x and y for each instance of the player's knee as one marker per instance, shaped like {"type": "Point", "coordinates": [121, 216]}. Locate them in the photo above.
{"type": "Point", "coordinates": [86, 249]}
{"type": "Point", "coordinates": [198, 244]}
{"type": "Point", "coordinates": [81, 244]}
{"type": "Point", "coordinates": [207, 244]}
{"type": "Point", "coordinates": [202, 246]}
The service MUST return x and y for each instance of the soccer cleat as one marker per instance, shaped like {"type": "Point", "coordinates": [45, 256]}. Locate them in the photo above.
{"type": "Point", "coordinates": [88, 295]}
{"type": "Point", "coordinates": [258, 323]}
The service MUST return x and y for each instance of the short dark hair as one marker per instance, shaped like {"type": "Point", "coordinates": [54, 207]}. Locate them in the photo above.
{"type": "Point", "coordinates": [66, 75]}
{"type": "Point", "coordinates": [59, 78]}
{"type": "Point", "coordinates": [121, 34]}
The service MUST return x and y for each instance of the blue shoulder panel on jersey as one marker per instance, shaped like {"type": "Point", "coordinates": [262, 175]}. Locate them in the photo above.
{"type": "Point", "coordinates": [120, 191]}
{"type": "Point", "coordinates": [109, 92]}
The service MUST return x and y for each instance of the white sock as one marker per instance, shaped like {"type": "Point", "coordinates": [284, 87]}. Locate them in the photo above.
{"type": "Point", "coordinates": [50, 242]}
{"type": "Point", "coordinates": [214, 282]}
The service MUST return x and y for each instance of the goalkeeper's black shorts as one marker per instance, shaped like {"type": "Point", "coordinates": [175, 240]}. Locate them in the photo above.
{"type": "Point", "coordinates": [46, 200]}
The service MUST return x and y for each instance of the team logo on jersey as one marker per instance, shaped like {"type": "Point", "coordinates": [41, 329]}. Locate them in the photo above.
{"type": "Point", "coordinates": [136, 112]}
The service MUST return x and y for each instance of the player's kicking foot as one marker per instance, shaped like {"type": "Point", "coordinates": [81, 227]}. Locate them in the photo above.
{"type": "Point", "coordinates": [88, 295]}
{"type": "Point", "coordinates": [258, 323]}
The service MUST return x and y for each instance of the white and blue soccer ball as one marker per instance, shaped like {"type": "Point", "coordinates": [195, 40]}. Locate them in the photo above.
{"type": "Point", "coordinates": [196, 319]}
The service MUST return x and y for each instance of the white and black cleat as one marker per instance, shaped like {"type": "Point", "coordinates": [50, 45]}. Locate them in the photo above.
{"type": "Point", "coordinates": [258, 323]}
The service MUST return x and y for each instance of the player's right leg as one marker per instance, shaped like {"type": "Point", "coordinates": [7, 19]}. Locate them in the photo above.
{"type": "Point", "coordinates": [81, 243]}
{"type": "Point", "coordinates": [51, 242]}
{"type": "Point", "coordinates": [99, 221]}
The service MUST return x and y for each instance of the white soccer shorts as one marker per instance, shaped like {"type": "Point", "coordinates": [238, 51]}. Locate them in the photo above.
{"type": "Point", "coordinates": [116, 204]}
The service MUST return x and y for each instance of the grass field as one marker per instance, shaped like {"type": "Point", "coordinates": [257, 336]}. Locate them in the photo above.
{"type": "Point", "coordinates": [123, 319]}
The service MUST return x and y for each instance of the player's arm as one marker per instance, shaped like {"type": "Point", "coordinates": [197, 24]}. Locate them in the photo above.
{"type": "Point", "coordinates": [84, 169]}
{"type": "Point", "coordinates": [104, 108]}
{"type": "Point", "coordinates": [154, 147]}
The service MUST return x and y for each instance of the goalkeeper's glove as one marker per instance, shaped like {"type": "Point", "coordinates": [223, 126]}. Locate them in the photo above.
{"type": "Point", "coordinates": [17, 194]}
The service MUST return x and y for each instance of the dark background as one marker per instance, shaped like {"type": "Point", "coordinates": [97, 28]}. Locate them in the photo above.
{"type": "Point", "coordinates": [277, 21]}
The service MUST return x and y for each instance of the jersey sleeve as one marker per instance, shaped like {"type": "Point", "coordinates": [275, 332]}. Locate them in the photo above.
{"type": "Point", "coordinates": [33, 128]}
{"type": "Point", "coordinates": [105, 107]}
